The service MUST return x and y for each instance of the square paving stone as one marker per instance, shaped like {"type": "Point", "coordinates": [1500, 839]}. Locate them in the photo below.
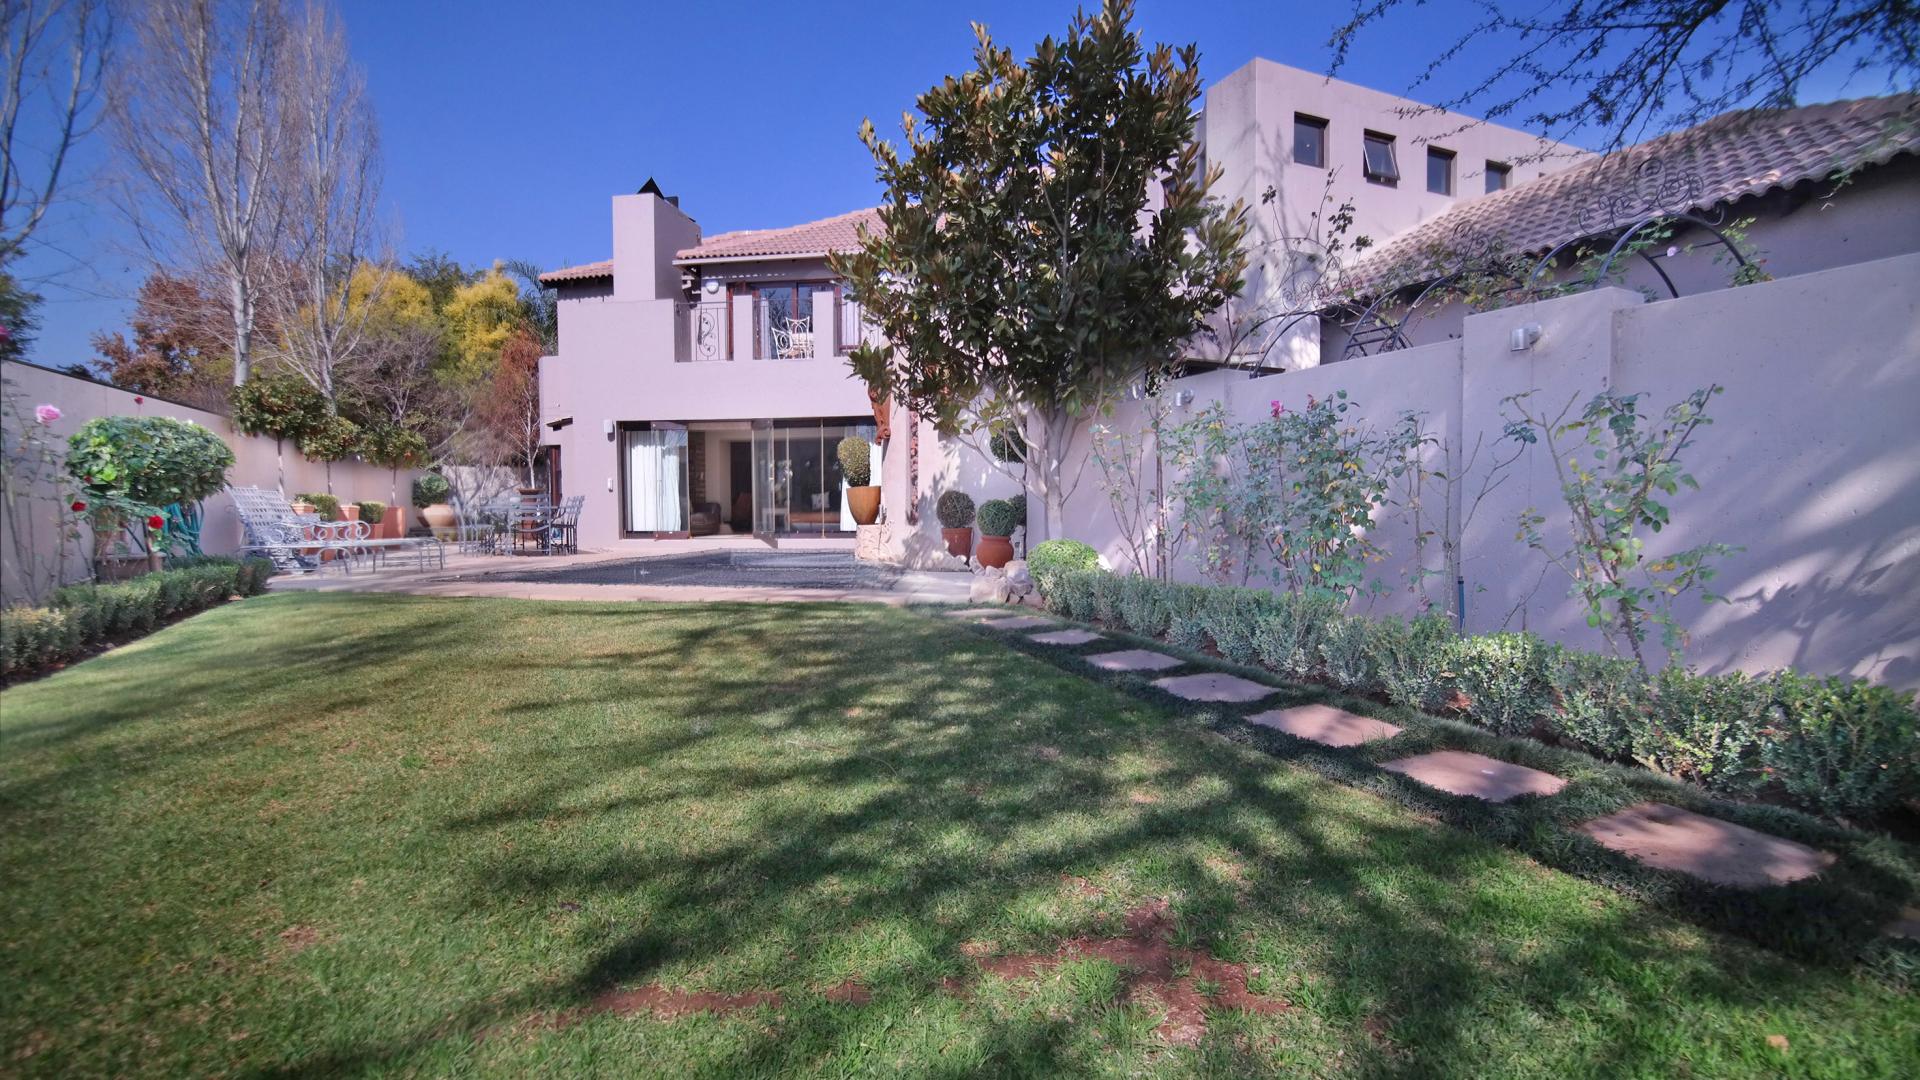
{"type": "Point", "coordinates": [1067, 637]}
{"type": "Point", "coordinates": [1134, 660]}
{"type": "Point", "coordinates": [1017, 622]}
{"type": "Point", "coordinates": [1708, 848]}
{"type": "Point", "coordinates": [1326, 725]}
{"type": "Point", "coordinates": [975, 612]}
{"type": "Point", "coordinates": [1476, 775]}
{"type": "Point", "coordinates": [1214, 686]}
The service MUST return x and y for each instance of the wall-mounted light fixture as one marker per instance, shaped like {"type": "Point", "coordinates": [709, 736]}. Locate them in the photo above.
{"type": "Point", "coordinates": [1523, 337]}
{"type": "Point", "coordinates": [1182, 398]}
{"type": "Point", "coordinates": [607, 427]}
{"type": "Point", "coordinates": [711, 286]}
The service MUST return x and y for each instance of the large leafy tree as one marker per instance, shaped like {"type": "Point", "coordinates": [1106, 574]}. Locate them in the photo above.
{"type": "Point", "coordinates": [1047, 241]}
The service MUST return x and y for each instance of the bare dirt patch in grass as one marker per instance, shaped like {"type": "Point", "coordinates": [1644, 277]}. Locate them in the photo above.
{"type": "Point", "coordinates": [1181, 983]}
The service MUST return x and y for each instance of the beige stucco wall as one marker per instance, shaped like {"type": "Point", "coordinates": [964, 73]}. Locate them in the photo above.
{"type": "Point", "coordinates": [1812, 464]}
{"type": "Point", "coordinates": [257, 462]}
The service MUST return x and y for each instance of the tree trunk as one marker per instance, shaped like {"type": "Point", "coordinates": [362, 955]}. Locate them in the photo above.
{"type": "Point", "coordinates": [242, 331]}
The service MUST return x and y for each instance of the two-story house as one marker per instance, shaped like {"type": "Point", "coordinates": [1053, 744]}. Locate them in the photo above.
{"type": "Point", "coordinates": [700, 387]}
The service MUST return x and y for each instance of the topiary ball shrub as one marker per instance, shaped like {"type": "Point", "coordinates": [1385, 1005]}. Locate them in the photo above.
{"type": "Point", "coordinates": [998, 518]}
{"type": "Point", "coordinates": [372, 510]}
{"type": "Point", "coordinates": [1019, 504]}
{"type": "Point", "coordinates": [1007, 446]}
{"type": "Point", "coordinates": [327, 506]}
{"type": "Point", "coordinates": [856, 460]}
{"type": "Point", "coordinates": [430, 489]}
{"type": "Point", "coordinates": [955, 510]}
{"type": "Point", "coordinates": [1061, 556]}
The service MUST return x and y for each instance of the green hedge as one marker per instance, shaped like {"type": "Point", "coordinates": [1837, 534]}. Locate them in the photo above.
{"type": "Point", "coordinates": [1838, 746]}
{"type": "Point", "coordinates": [82, 618]}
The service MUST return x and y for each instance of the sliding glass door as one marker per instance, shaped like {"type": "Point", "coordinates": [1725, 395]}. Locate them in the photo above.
{"type": "Point", "coordinates": [653, 469]}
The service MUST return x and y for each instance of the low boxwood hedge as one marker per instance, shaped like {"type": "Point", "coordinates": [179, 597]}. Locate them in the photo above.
{"type": "Point", "coordinates": [83, 618]}
{"type": "Point", "coordinates": [1840, 747]}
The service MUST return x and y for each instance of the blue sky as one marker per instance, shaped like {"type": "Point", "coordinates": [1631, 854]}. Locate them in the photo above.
{"type": "Point", "coordinates": [506, 126]}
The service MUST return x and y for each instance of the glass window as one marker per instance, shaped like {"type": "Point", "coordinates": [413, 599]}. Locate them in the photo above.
{"type": "Point", "coordinates": [1498, 176]}
{"type": "Point", "coordinates": [1309, 140]}
{"type": "Point", "coordinates": [1379, 164]}
{"type": "Point", "coordinates": [1439, 171]}
{"type": "Point", "coordinates": [783, 319]}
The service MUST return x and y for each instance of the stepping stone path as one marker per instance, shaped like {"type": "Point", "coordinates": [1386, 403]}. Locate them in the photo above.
{"type": "Point", "coordinates": [1067, 637]}
{"type": "Point", "coordinates": [1476, 775]}
{"type": "Point", "coordinates": [1214, 686]}
{"type": "Point", "coordinates": [1708, 848]}
{"type": "Point", "coordinates": [1133, 660]}
{"type": "Point", "coordinates": [1325, 725]}
{"type": "Point", "coordinates": [1018, 622]}
{"type": "Point", "coordinates": [976, 612]}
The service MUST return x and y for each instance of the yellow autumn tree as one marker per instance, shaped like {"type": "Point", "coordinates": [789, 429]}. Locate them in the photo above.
{"type": "Point", "coordinates": [480, 317]}
{"type": "Point", "coordinates": [390, 296]}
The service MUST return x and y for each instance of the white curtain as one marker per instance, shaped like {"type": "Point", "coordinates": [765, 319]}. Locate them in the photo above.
{"type": "Point", "coordinates": [656, 464]}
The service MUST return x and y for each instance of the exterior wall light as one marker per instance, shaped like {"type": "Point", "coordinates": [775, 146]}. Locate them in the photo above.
{"type": "Point", "coordinates": [1523, 337]}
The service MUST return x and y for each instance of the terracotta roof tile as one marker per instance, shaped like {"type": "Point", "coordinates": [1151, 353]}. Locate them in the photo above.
{"type": "Point", "coordinates": [1722, 160]}
{"type": "Point", "coordinates": [583, 272]}
{"type": "Point", "coordinates": [841, 233]}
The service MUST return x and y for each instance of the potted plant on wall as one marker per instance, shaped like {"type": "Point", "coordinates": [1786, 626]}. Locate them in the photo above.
{"type": "Point", "coordinates": [856, 464]}
{"type": "Point", "coordinates": [998, 519]}
{"type": "Point", "coordinates": [955, 511]}
{"type": "Point", "coordinates": [430, 492]}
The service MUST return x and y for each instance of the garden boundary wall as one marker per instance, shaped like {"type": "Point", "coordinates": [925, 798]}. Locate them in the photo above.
{"type": "Point", "coordinates": [31, 555]}
{"type": "Point", "coordinates": [1811, 465]}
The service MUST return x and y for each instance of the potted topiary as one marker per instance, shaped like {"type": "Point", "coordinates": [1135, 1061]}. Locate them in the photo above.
{"type": "Point", "coordinates": [998, 519]}
{"type": "Point", "coordinates": [373, 512]}
{"type": "Point", "coordinates": [430, 491]}
{"type": "Point", "coordinates": [856, 464]}
{"type": "Point", "coordinates": [955, 511]}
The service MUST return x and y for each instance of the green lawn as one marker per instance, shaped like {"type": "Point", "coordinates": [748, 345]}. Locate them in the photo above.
{"type": "Point", "coordinates": [314, 835]}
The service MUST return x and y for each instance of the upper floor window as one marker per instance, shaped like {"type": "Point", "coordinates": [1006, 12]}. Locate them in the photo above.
{"type": "Point", "coordinates": [1499, 176]}
{"type": "Point", "coordinates": [783, 319]}
{"type": "Point", "coordinates": [1379, 164]}
{"type": "Point", "coordinates": [1439, 171]}
{"type": "Point", "coordinates": [1309, 140]}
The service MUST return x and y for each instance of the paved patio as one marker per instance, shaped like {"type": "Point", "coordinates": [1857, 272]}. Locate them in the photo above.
{"type": "Point", "coordinates": [691, 571]}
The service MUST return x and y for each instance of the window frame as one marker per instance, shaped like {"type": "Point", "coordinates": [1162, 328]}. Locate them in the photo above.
{"type": "Point", "coordinates": [1321, 127]}
{"type": "Point", "coordinates": [1389, 176]}
{"type": "Point", "coordinates": [1442, 155]}
{"type": "Point", "coordinates": [1502, 170]}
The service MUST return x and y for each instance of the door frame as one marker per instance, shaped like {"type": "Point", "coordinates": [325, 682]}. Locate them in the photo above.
{"type": "Point", "coordinates": [620, 453]}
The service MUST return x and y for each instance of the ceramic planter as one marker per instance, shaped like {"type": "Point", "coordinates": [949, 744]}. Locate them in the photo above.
{"type": "Point", "coordinates": [959, 541]}
{"type": "Point", "coordinates": [994, 551]}
{"type": "Point", "coordinates": [864, 504]}
{"type": "Point", "coordinates": [438, 516]}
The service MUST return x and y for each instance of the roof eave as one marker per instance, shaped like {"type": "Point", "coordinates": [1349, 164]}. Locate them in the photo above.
{"type": "Point", "coordinates": [702, 260]}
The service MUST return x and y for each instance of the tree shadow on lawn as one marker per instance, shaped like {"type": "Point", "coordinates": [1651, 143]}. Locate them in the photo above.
{"type": "Point", "coordinates": [753, 797]}
{"type": "Point", "coordinates": [949, 818]}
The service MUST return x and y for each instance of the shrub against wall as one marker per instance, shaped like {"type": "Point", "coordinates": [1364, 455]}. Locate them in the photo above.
{"type": "Point", "coordinates": [1838, 746]}
{"type": "Point", "coordinates": [83, 618]}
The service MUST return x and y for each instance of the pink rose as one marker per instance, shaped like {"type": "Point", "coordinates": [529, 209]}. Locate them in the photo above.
{"type": "Point", "coordinates": [46, 414]}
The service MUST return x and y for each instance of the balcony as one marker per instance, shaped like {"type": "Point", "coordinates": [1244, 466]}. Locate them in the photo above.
{"type": "Point", "coordinates": [807, 324]}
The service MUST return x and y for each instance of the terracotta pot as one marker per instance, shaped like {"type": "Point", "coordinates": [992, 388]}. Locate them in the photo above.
{"type": "Point", "coordinates": [349, 512]}
{"type": "Point", "coordinates": [864, 504]}
{"type": "Point", "coordinates": [994, 551]}
{"type": "Point", "coordinates": [437, 516]}
{"type": "Point", "coordinates": [303, 507]}
{"type": "Point", "coordinates": [959, 541]}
